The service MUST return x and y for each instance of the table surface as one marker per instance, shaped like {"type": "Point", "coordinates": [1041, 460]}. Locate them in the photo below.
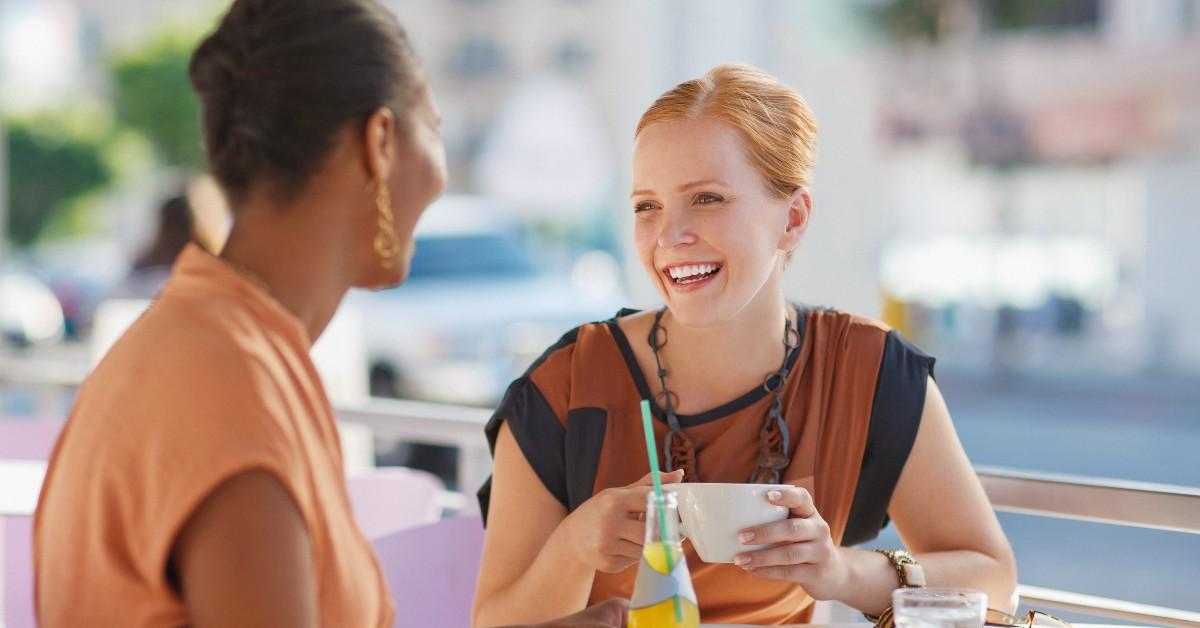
{"type": "Point", "coordinates": [20, 483]}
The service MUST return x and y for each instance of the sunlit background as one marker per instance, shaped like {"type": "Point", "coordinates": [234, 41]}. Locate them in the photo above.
{"type": "Point", "coordinates": [1013, 184]}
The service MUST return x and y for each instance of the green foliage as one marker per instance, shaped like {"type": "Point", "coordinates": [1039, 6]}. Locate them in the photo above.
{"type": "Point", "coordinates": [1016, 15]}
{"type": "Point", "coordinates": [935, 20]}
{"type": "Point", "coordinates": [907, 20]}
{"type": "Point", "coordinates": [50, 165]}
{"type": "Point", "coordinates": [153, 97]}
{"type": "Point", "coordinates": [60, 161]}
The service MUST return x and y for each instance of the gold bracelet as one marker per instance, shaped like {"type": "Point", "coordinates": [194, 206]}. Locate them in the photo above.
{"type": "Point", "coordinates": [884, 620]}
{"type": "Point", "coordinates": [911, 575]}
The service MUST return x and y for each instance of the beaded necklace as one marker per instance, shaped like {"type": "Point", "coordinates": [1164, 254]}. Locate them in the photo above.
{"type": "Point", "coordinates": [678, 449]}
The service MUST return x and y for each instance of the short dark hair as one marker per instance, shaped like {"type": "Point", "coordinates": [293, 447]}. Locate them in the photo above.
{"type": "Point", "coordinates": [278, 79]}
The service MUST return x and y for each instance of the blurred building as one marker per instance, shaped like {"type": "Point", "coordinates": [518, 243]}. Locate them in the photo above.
{"type": "Point", "coordinates": [1008, 182]}
{"type": "Point", "coordinates": [1050, 156]}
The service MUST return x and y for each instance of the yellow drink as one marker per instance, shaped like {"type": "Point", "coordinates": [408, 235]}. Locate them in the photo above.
{"type": "Point", "coordinates": [662, 615]}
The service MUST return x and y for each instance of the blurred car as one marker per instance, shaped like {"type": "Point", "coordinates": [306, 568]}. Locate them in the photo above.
{"type": "Point", "coordinates": [30, 314]}
{"type": "Point", "coordinates": [479, 306]}
{"type": "Point", "coordinates": [81, 272]}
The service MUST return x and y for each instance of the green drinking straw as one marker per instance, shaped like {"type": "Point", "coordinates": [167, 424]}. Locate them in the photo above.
{"type": "Point", "coordinates": [652, 453]}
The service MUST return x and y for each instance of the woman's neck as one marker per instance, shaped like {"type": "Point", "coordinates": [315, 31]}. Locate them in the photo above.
{"type": "Point", "coordinates": [730, 357]}
{"type": "Point", "coordinates": [297, 261]}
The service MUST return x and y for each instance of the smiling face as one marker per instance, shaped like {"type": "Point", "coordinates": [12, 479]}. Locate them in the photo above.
{"type": "Point", "coordinates": [709, 230]}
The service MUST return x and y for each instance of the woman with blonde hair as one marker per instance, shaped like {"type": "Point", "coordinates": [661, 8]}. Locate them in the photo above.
{"type": "Point", "coordinates": [745, 387]}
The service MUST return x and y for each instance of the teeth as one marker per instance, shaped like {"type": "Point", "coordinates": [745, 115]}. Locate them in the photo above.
{"type": "Point", "coordinates": [692, 270]}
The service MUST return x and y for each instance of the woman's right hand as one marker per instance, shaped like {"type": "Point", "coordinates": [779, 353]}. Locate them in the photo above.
{"type": "Point", "coordinates": [606, 532]}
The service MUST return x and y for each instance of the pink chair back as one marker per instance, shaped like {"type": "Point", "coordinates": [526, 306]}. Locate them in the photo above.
{"type": "Point", "coordinates": [28, 439]}
{"type": "Point", "coordinates": [432, 570]}
{"type": "Point", "coordinates": [391, 499]}
{"type": "Point", "coordinates": [16, 577]}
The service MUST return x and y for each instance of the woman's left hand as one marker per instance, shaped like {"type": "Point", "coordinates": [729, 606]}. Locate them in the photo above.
{"type": "Point", "coordinates": [804, 552]}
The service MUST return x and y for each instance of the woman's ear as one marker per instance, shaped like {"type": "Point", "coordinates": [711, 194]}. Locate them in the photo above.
{"type": "Point", "coordinates": [800, 208]}
{"type": "Point", "coordinates": [379, 142]}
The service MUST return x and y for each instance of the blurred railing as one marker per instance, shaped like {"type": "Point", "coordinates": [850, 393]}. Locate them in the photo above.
{"type": "Point", "coordinates": [49, 381]}
{"type": "Point", "coordinates": [433, 424]}
{"type": "Point", "coordinates": [1120, 502]}
{"type": "Point", "coordinates": [1117, 502]}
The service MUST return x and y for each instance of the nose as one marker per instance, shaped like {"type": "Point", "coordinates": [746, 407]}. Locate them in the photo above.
{"type": "Point", "coordinates": [675, 230]}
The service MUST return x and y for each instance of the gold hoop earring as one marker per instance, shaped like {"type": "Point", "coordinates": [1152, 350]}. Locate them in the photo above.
{"type": "Point", "coordinates": [387, 245]}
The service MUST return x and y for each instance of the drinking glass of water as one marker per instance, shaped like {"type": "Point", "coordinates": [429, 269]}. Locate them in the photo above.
{"type": "Point", "coordinates": [939, 608]}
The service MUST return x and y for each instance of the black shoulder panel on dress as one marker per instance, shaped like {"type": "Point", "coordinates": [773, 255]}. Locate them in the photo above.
{"type": "Point", "coordinates": [895, 417]}
{"type": "Point", "coordinates": [585, 442]}
{"type": "Point", "coordinates": [535, 427]}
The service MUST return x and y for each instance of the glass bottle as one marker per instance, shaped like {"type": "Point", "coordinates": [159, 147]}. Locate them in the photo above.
{"type": "Point", "coordinates": [663, 596]}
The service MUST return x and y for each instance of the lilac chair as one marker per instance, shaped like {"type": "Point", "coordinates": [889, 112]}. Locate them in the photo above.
{"type": "Point", "coordinates": [16, 577]}
{"type": "Point", "coordinates": [21, 439]}
{"type": "Point", "coordinates": [28, 439]}
{"type": "Point", "coordinates": [390, 499]}
{"type": "Point", "coordinates": [431, 571]}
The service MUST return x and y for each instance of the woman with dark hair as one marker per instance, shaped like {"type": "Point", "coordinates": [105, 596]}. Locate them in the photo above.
{"type": "Point", "coordinates": [198, 480]}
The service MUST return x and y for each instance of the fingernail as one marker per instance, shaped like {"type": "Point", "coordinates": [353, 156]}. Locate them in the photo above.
{"type": "Point", "coordinates": [746, 537]}
{"type": "Point", "coordinates": [741, 560]}
{"type": "Point", "coordinates": [774, 496]}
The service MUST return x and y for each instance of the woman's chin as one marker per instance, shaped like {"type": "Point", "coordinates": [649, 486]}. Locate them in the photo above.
{"type": "Point", "coordinates": [698, 309]}
{"type": "Point", "coordinates": [382, 278]}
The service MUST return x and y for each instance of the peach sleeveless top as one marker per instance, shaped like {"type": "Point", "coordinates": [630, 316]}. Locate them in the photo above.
{"type": "Point", "coordinates": [212, 381]}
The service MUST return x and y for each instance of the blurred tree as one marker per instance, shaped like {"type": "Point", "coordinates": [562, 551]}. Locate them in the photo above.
{"type": "Point", "coordinates": [937, 20]}
{"type": "Point", "coordinates": [1016, 15]}
{"type": "Point", "coordinates": [50, 166]}
{"type": "Point", "coordinates": [907, 20]}
{"type": "Point", "coordinates": [153, 97]}
{"type": "Point", "coordinates": [58, 158]}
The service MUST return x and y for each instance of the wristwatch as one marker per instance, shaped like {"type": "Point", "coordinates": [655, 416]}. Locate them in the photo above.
{"type": "Point", "coordinates": [911, 576]}
{"type": "Point", "coordinates": [907, 568]}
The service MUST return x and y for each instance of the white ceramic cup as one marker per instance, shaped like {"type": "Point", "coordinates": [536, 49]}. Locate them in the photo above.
{"type": "Point", "coordinates": [711, 515]}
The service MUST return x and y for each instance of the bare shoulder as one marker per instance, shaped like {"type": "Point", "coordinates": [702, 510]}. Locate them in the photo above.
{"type": "Point", "coordinates": [636, 322]}
{"type": "Point", "coordinates": [636, 327]}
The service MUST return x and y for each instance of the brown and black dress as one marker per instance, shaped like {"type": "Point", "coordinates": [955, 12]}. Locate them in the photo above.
{"type": "Point", "coordinates": [853, 399]}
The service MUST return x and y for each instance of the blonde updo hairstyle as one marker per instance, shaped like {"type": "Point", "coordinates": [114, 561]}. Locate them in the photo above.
{"type": "Point", "coordinates": [779, 130]}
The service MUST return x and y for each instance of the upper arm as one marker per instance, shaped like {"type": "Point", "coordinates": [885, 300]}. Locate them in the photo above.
{"type": "Point", "coordinates": [521, 516]}
{"type": "Point", "coordinates": [244, 557]}
{"type": "Point", "coordinates": [939, 503]}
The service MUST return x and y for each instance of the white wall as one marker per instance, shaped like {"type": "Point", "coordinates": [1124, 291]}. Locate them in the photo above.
{"type": "Point", "coordinates": [1172, 290]}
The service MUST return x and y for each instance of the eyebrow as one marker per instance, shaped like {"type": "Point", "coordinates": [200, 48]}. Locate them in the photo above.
{"type": "Point", "coordinates": [683, 188]}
